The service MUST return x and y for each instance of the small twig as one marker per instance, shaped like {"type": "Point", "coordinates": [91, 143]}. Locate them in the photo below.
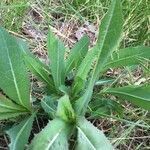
{"type": "Point", "coordinates": [18, 35]}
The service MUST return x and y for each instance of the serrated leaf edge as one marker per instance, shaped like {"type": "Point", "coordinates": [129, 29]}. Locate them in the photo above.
{"type": "Point", "coordinates": [86, 138]}
{"type": "Point", "coordinates": [53, 140]}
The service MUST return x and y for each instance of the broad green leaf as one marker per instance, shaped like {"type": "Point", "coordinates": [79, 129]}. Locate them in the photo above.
{"type": "Point", "coordinates": [139, 95]}
{"type": "Point", "coordinates": [41, 71]}
{"type": "Point", "coordinates": [9, 109]}
{"type": "Point", "coordinates": [7, 106]}
{"type": "Point", "coordinates": [108, 40]}
{"type": "Point", "coordinates": [64, 89]}
{"type": "Point", "coordinates": [38, 68]}
{"type": "Point", "coordinates": [13, 75]}
{"type": "Point", "coordinates": [56, 51]}
{"type": "Point", "coordinates": [128, 56]}
{"type": "Point", "coordinates": [10, 115]}
{"type": "Point", "coordinates": [49, 104]}
{"type": "Point", "coordinates": [86, 64]}
{"type": "Point", "coordinates": [77, 54]}
{"type": "Point", "coordinates": [53, 137]}
{"type": "Point", "coordinates": [20, 133]}
{"type": "Point", "coordinates": [83, 71]}
{"type": "Point", "coordinates": [65, 110]}
{"type": "Point", "coordinates": [109, 34]}
{"type": "Point", "coordinates": [91, 138]}
{"type": "Point", "coordinates": [100, 106]}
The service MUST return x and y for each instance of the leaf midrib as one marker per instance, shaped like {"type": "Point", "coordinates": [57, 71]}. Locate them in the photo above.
{"type": "Point", "coordinates": [47, 81]}
{"type": "Point", "coordinates": [86, 138]}
{"type": "Point", "coordinates": [19, 133]}
{"type": "Point", "coordinates": [53, 139]}
{"type": "Point", "coordinates": [99, 54]}
{"type": "Point", "coordinates": [58, 79]}
{"type": "Point", "coordinates": [138, 97]}
{"type": "Point", "coordinates": [92, 80]}
{"type": "Point", "coordinates": [48, 106]}
{"type": "Point", "coordinates": [9, 107]}
{"type": "Point", "coordinates": [13, 74]}
{"type": "Point", "coordinates": [121, 59]}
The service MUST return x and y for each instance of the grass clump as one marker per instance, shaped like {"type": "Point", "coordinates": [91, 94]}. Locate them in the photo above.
{"type": "Point", "coordinates": [135, 15]}
{"type": "Point", "coordinates": [12, 13]}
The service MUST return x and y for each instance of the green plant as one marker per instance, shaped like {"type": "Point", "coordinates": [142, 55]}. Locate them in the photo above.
{"type": "Point", "coordinates": [69, 86]}
{"type": "Point", "coordinates": [12, 12]}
